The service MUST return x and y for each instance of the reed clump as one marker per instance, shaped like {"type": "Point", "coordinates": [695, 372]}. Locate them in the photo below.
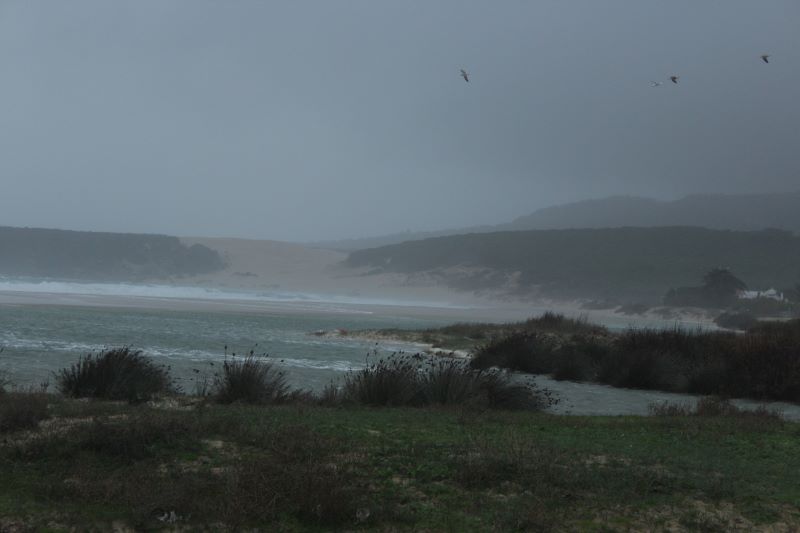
{"type": "Point", "coordinates": [418, 381]}
{"type": "Point", "coordinates": [762, 363]}
{"type": "Point", "coordinates": [116, 374]}
{"type": "Point", "coordinates": [251, 379]}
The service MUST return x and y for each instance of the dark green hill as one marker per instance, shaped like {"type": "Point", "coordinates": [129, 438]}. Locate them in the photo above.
{"type": "Point", "coordinates": [617, 263]}
{"type": "Point", "coordinates": [100, 256]}
{"type": "Point", "coordinates": [744, 212]}
{"type": "Point", "coordinates": [740, 212]}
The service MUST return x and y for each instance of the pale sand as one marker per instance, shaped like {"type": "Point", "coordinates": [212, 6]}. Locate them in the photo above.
{"type": "Point", "coordinates": [280, 266]}
{"type": "Point", "coordinates": [445, 314]}
{"type": "Point", "coordinates": [294, 267]}
{"type": "Point", "coordinates": [272, 266]}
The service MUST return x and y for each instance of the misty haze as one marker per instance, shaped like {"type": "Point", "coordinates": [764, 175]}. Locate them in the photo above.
{"type": "Point", "coordinates": [450, 265]}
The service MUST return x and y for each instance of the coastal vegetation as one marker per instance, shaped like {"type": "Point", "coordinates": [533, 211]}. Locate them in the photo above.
{"type": "Point", "coordinates": [761, 363]}
{"type": "Point", "coordinates": [249, 379]}
{"type": "Point", "coordinates": [116, 374]}
{"type": "Point", "coordinates": [409, 442]}
{"type": "Point", "coordinates": [98, 256]}
{"type": "Point", "coordinates": [419, 381]}
{"type": "Point", "coordinates": [625, 264]}
{"type": "Point", "coordinates": [186, 463]}
{"type": "Point", "coordinates": [714, 211]}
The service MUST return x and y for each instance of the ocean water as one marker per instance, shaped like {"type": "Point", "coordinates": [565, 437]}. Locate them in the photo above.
{"type": "Point", "coordinates": [37, 340]}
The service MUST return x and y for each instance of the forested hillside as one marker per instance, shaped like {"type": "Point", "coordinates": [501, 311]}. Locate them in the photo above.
{"type": "Point", "coordinates": [100, 256]}
{"type": "Point", "coordinates": [621, 263]}
{"type": "Point", "coordinates": [741, 212]}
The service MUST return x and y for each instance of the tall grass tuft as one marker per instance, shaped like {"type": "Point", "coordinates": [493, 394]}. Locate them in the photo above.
{"type": "Point", "coordinates": [250, 379]}
{"type": "Point", "coordinates": [418, 381]}
{"type": "Point", "coordinates": [387, 382]}
{"type": "Point", "coordinates": [117, 374]}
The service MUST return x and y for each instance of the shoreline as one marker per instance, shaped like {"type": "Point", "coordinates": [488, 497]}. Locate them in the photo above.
{"type": "Point", "coordinates": [468, 309]}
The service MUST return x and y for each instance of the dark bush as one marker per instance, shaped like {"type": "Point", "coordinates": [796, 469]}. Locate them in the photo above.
{"type": "Point", "coordinates": [393, 381]}
{"type": "Point", "coordinates": [453, 382]}
{"type": "Point", "coordinates": [580, 358]}
{"type": "Point", "coordinates": [642, 369]}
{"type": "Point", "coordinates": [740, 321]}
{"type": "Point", "coordinates": [788, 330]}
{"type": "Point", "coordinates": [503, 393]}
{"type": "Point", "coordinates": [573, 365]}
{"type": "Point", "coordinates": [419, 381]}
{"type": "Point", "coordinates": [450, 381]}
{"type": "Point", "coordinates": [524, 352]}
{"type": "Point", "coordinates": [250, 379]}
{"type": "Point", "coordinates": [22, 410]}
{"type": "Point", "coordinates": [550, 322]}
{"type": "Point", "coordinates": [118, 374]}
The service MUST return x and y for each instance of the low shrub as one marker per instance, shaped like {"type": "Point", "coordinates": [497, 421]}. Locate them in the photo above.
{"type": "Point", "coordinates": [503, 393]}
{"type": "Point", "coordinates": [22, 410]}
{"type": "Point", "coordinates": [550, 322]}
{"type": "Point", "coordinates": [738, 321]}
{"type": "Point", "coordinates": [712, 406]}
{"type": "Point", "coordinates": [453, 382]}
{"type": "Point", "coordinates": [573, 365]}
{"type": "Point", "coordinates": [786, 329]}
{"type": "Point", "coordinates": [579, 359]}
{"type": "Point", "coordinates": [642, 369]}
{"type": "Point", "coordinates": [117, 374]}
{"type": "Point", "coordinates": [419, 381]}
{"type": "Point", "coordinates": [387, 382]}
{"type": "Point", "coordinates": [450, 381]}
{"type": "Point", "coordinates": [524, 352]}
{"type": "Point", "coordinates": [250, 379]}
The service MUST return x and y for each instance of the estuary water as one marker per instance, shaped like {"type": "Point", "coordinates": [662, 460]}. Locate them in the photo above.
{"type": "Point", "coordinates": [46, 327]}
{"type": "Point", "coordinates": [40, 339]}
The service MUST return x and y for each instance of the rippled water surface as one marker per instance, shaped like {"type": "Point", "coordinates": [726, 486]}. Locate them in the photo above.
{"type": "Point", "coordinates": [38, 340]}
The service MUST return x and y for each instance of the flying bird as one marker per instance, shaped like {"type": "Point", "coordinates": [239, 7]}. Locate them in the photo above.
{"type": "Point", "coordinates": [655, 84]}
{"type": "Point", "coordinates": [765, 58]}
{"type": "Point", "coordinates": [465, 75]}
{"type": "Point", "coordinates": [674, 79]}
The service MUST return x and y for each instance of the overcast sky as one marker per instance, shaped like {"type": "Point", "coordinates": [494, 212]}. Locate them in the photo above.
{"type": "Point", "coordinates": [303, 120]}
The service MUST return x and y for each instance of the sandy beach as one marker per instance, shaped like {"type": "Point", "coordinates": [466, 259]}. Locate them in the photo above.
{"type": "Point", "coordinates": [285, 278]}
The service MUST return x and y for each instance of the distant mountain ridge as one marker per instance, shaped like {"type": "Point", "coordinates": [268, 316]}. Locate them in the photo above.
{"type": "Point", "coordinates": [742, 212]}
{"type": "Point", "coordinates": [630, 264]}
{"type": "Point", "coordinates": [97, 256]}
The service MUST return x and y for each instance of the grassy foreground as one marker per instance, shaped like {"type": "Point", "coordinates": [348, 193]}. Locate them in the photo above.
{"type": "Point", "coordinates": [185, 464]}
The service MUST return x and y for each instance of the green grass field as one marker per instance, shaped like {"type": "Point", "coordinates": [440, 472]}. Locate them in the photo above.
{"type": "Point", "coordinates": [185, 464]}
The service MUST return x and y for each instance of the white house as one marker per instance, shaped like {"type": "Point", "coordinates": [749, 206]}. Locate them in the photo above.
{"type": "Point", "coordinates": [769, 293]}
